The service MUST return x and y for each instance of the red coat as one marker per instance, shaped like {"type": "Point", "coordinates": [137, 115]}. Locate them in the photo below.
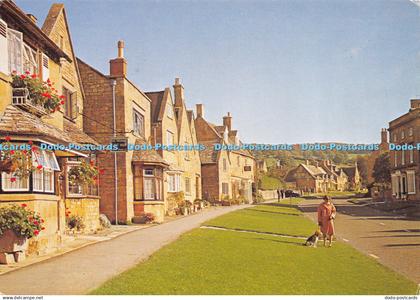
{"type": "Point", "coordinates": [326, 215]}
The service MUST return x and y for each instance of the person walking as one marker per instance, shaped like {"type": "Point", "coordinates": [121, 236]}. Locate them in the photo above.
{"type": "Point", "coordinates": [278, 195]}
{"type": "Point", "coordinates": [326, 216]}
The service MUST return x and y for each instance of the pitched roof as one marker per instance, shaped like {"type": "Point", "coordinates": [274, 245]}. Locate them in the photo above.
{"type": "Point", "coordinates": [18, 122]}
{"type": "Point", "coordinates": [208, 155]}
{"type": "Point", "coordinates": [156, 100]}
{"type": "Point", "coordinates": [313, 170]}
{"type": "Point", "coordinates": [349, 171]}
{"type": "Point", "coordinates": [290, 176]}
{"type": "Point", "coordinates": [21, 18]}
{"type": "Point", "coordinates": [148, 156]}
{"type": "Point", "coordinates": [76, 134]}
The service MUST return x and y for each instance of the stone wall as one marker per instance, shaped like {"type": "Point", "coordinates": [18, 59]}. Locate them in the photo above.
{"type": "Point", "coordinates": [268, 194]}
{"type": "Point", "coordinates": [88, 209]}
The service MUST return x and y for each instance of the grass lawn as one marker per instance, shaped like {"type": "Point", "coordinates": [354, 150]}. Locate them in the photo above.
{"type": "Point", "coordinates": [216, 262]}
{"type": "Point", "coordinates": [269, 183]}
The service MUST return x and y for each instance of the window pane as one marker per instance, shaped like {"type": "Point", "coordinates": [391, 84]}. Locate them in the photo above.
{"type": "Point", "coordinates": [149, 192]}
{"type": "Point", "coordinates": [18, 184]}
{"type": "Point", "coordinates": [48, 181]}
{"type": "Point", "coordinates": [37, 180]}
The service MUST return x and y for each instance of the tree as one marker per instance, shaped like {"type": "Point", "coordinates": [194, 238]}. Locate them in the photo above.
{"type": "Point", "coordinates": [382, 169]}
{"type": "Point", "coordinates": [362, 165]}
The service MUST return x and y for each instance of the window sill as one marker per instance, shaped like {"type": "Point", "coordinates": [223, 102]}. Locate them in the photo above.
{"type": "Point", "coordinates": [81, 197]}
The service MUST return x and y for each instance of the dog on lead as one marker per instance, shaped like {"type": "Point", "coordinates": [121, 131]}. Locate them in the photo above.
{"type": "Point", "coordinates": [313, 239]}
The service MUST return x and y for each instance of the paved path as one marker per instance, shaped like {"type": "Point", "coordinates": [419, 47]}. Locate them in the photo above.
{"type": "Point", "coordinates": [393, 240]}
{"type": "Point", "coordinates": [82, 270]}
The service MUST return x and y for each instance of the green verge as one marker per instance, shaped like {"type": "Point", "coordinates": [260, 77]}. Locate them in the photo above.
{"type": "Point", "coordinates": [217, 262]}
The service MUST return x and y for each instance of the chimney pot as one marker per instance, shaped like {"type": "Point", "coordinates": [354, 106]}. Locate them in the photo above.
{"type": "Point", "coordinates": [177, 81]}
{"type": "Point", "coordinates": [120, 49]}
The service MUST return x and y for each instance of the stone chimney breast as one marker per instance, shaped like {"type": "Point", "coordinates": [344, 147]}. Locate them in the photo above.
{"type": "Point", "coordinates": [199, 110]}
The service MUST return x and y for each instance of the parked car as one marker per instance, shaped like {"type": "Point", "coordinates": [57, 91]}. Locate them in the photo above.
{"type": "Point", "coordinates": [290, 193]}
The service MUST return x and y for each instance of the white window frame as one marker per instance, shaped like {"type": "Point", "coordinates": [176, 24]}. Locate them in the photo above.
{"type": "Point", "coordinates": [395, 159]}
{"type": "Point", "coordinates": [411, 182]}
{"type": "Point", "coordinates": [138, 122]}
{"type": "Point", "coordinates": [30, 60]}
{"type": "Point", "coordinates": [410, 131]}
{"type": "Point", "coordinates": [15, 38]}
{"type": "Point", "coordinates": [6, 177]}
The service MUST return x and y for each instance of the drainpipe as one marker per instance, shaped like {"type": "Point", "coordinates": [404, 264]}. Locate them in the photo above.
{"type": "Point", "coordinates": [114, 129]}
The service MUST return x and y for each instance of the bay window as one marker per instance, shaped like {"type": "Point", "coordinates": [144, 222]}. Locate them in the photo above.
{"type": "Point", "coordinates": [42, 179]}
{"type": "Point", "coordinates": [147, 183]}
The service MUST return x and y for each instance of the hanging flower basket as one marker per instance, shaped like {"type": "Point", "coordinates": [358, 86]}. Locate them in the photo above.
{"type": "Point", "coordinates": [8, 166]}
{"type": "Point", "coordinates": [84, 174]}
{"type": "Point", "coordinates": [31, 92]}
{"type": "Point", "coordinates": [15, 162]}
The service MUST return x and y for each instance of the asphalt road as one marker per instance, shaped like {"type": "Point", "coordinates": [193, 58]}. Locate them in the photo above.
{"type": "Point", "coordinates": [391, 239]}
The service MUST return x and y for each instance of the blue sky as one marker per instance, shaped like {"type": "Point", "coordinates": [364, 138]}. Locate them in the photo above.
{"type": "Point", "coordinates": [288, 71]}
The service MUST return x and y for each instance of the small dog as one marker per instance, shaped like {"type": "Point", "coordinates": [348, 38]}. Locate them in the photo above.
{"type": "Point", "coordinates": [313, 239]}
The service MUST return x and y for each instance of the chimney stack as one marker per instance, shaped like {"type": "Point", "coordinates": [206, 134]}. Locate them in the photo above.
{"type": "Point", "coordinates": [227, 121]}
{"type": "Point", "coordinates": [384, 136]}
{"type": "Point", "coordinates": [414, 103]}
{"type": "Point", "coordinates": [118, 66]}
{"type": "Point", "coordinates": [199, 110]}
{"type": "Point", "coordinates": [179, 93]}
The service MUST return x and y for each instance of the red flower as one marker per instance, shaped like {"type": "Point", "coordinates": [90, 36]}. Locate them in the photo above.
{"type": "Point", "coordinates": [35, 148]}
{"type": "Point", "coordinates": [39, 167]}
{"type": "Point", "coordinates": [62, 102]}
{"type": "Point", "coordinates": [24, 151]}
{"type": "Point", "coordinates": [42, 221]}
{"type": "Point", "coordinates": [24, 205]}
{"type": "Point", "coordinates": [22, 76]}
{"type": "Point", "coordinates": [102, 172]}
{"type": "Point", "coordinates": [42, 228]}
{"type": "Point", "coordinates": [62, 97]}
{"type": "Point", "coordinates": [48, 80]}
{"type": "Point", "coordinates": [27, 72]}
{"type": "Point", "coordinates": [14, 72]}
{"type": "Point", "coordinates": [58, 108]}
{"type": "Point", "coordinates": [12, 152]}
{"type": "Point", "coordinates": [30, 142]}
{"type": "Point", "coordinates": [36, 232]}
{"type": "Point", "coordinates": [36, 222]}
{"type": "Point", "coordinates": [8, 138]}
{"type": "Point", "coordinates": [13, 179]}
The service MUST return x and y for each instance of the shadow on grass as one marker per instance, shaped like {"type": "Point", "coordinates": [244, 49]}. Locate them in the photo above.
{"type": "Point", "coordinates": [277, 241]}
{"type": "Point", "coordinates": [273, 212]}
{"type": "Point", "coordinates": [281, 205]}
